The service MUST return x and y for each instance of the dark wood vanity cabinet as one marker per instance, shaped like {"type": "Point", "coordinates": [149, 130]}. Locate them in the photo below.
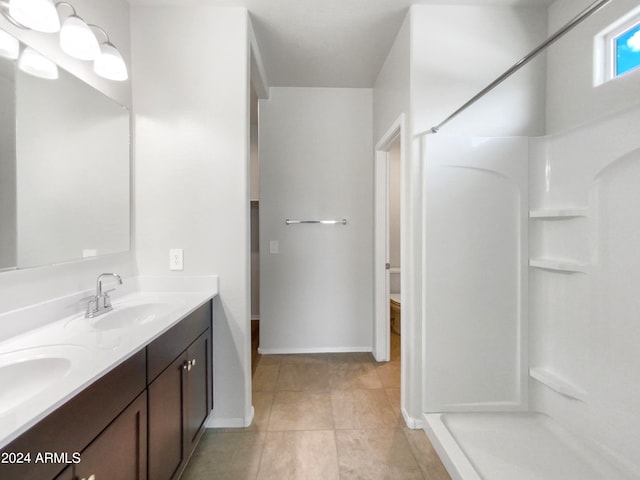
{"type": "Point", "coordinates": [67, 474]}
{"type": "Point", "coordinates": [120, 451]}
{"type": "Point", "coordinates": [179, 396]}
{"type": "Point", "coordinates": [140, 421]}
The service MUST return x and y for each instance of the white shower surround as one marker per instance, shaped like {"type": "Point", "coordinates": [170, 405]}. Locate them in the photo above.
{"type": "Point", "coordinates": [583, 331]}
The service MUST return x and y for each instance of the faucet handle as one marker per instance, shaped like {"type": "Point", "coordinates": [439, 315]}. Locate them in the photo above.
{"type": "Point", "coordinates": [107, 298]}
{"type": "Point", "coordinates": [92, 306]}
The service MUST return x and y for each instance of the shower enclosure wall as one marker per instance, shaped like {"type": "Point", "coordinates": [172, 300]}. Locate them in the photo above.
{"type": "Point", "coordinates": [531, 273]}
{"type": "Point", "coordinates": [571, 366]}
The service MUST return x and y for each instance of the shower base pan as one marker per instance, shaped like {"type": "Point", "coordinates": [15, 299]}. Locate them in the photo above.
{"type": "Point", "coordinates": [506, 446]}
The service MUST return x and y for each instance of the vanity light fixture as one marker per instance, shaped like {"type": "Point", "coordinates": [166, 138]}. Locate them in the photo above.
{"type": "Point", "coordinates": [76, 38]}
{"type": "Point", "coordinates": [40, 15]}
{"type": "Point", "coordinates": [33, 63]}
{"type": "Point", "coordinates": [109, 63]}
{"type": "Point", "coordinates": [9, 46]}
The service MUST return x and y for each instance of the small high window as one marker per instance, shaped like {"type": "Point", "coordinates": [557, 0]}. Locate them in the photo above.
{"type": "Point", "coordinates": [627, 50]}
{"type": "Point", "coordinates": [617, 48]}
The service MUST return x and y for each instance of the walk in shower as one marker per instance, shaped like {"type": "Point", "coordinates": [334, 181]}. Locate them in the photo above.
{"type": "Point", "coordinates": [532, 271]}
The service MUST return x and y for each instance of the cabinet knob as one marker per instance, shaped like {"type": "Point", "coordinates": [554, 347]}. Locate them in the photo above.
{"type": "Point", "coordinates": [188, 365]}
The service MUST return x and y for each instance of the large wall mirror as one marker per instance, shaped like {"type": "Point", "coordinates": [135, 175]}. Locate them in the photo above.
{"type": "Point", "coordinates": [64, 169]}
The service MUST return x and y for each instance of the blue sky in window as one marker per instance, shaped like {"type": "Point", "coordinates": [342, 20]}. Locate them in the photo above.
{"type": "Point", "coordinates": [628, 50]}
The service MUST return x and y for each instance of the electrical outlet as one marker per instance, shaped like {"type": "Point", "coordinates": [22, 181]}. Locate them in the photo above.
{"type": "Point", "coordinates": [176, 259]}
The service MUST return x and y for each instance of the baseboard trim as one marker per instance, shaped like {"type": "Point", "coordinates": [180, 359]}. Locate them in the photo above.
{"type": "Point", "coordinates": [214, 422]}
{"type": "Point", "coordinates": [285, 350]}
{"type": "Point", "coordinates": [412, 422]}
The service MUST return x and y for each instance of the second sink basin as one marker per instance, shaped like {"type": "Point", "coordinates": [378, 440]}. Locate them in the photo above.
{"type": "Point", "coordinates": [26, 373]}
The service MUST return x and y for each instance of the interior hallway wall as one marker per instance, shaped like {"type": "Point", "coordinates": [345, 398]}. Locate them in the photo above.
{"type": "Point", "coordinates": [316, 163]}
{"type": "Point", "coordinates": [192, 170]}
{"type": "Point", "coordinates": [391, 99]}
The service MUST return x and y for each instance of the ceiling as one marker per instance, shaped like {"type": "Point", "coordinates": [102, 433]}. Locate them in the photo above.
{"type": "Point", "coordinates": [326, 43]}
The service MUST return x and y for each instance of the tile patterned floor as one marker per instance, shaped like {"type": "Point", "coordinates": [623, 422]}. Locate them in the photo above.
{"type": "Point", "coordinates": [321, 416]}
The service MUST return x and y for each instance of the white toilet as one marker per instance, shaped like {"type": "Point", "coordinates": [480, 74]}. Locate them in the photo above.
{"type": "Point", "coordinates": [394, 299]}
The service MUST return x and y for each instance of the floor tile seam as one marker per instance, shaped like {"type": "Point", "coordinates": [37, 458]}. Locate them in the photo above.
{"type": "Point", "coordinates": [307, 390]}
{"type": "Point", "coordinates": [425, 476]}
{"type": "Point", "coordinates": [273, 401]}
{"type": "Point", "coordinates": [262, 447]}
{"type": "Point", "coordinates": [305, 429]}
{"type": "Point", "coordinates": [335, 441]}
{"type": "Point", "coordinates": [277, 382]}
{"type": "Point", "coordinates": [326, 390]}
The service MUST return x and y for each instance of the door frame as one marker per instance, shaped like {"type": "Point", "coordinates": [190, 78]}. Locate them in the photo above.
{"type": "Point", "coordinates": [382, 327]}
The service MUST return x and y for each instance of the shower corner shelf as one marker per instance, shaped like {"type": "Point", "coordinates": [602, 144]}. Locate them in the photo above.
{"type": "Point", "coordinates": [551, 213]}
{"type": "Point", "coordinates": [558, 265]}
{"type": "Point", "coordinates": [558, 384]}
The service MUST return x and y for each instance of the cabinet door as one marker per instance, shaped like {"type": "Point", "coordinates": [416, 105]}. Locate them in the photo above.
{"type": "Point", "coordinates": [198, 388]}
{"type": "Point", "coordinates": [166, 449]}
{"type": "Point", "coordinates": [67, 474]}
{"type": "Point", "coordinates": [120, 451]}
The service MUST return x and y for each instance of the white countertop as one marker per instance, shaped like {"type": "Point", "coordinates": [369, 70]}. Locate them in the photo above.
{"type": "Point", "coordinates": [49, 352]}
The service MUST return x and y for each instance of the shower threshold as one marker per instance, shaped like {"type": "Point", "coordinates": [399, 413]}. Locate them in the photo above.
{"type": "Point", "coordinates": [509, 446]}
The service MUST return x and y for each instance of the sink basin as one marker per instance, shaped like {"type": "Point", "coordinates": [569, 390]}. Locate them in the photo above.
{"type": "Point", "coordinates": [130, 315]}
{"type": "Point", "coordinates": [26, 373]}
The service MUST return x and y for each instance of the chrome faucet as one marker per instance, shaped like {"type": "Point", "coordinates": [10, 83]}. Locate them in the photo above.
{"type": "Point", "coordinates": [101, 303]}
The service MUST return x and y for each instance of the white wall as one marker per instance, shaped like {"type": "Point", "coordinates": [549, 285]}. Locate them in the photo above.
{"type": "Point", "coordinates": [7, 165]}
{"type": "Point", "coordinates": [584, 329]}
{"type": "Point", "coordinates": [24, 287]}
{"type": "Point", "coordinates": [583, 335]}
{"type": "Point", "coordinates": [391, 98]}
{"type": "Point", "coordinates": [316, 162]}
{"type": "Point", "coordinates": [476, 273]}
{"type": "Point", "coordinates": [391, 88]}
{"type": "Point", "coordinates": [572, 99]}
{"type": "Point", "coordinates": [191, 101]}
{"type": "Point", "coordinates": [455, 52]}
{"type": "Point", "coordinates": [458, 50]}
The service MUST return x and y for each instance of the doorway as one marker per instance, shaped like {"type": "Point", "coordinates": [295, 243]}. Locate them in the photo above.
{"type": "Point", "coordinates": [389, 161]}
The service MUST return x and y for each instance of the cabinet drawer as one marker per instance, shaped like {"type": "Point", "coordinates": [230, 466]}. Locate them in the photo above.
{"type": "Point", "coordinates": [71, 427]}
{"type": "Point", "coordinates": [165, 349]}
{"type": "Point", "coordinates": [119, 452]}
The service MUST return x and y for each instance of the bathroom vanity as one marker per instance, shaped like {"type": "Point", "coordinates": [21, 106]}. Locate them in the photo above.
{"type": "Point", "coordinates": [133, 407]}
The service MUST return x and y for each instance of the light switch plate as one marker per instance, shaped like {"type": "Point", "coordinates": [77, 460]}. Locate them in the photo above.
{"type": "Point", "coordinates": [274, 247]}
{"type": "Point", "coordinates": [176, 259]}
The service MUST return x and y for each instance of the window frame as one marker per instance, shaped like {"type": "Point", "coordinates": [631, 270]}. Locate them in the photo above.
{"type": "Point", "coordinates": [605, 52]}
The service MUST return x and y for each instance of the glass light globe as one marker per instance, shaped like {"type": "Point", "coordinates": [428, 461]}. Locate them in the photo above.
{"type": "Point", "coordinates": [110, 64]}
{"type": "Point", "coordinates": [33, 63]}
{"type": "Point", "coordinates": [77, 39]}
{"type": "Point", "coordinates": [40, 15]}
